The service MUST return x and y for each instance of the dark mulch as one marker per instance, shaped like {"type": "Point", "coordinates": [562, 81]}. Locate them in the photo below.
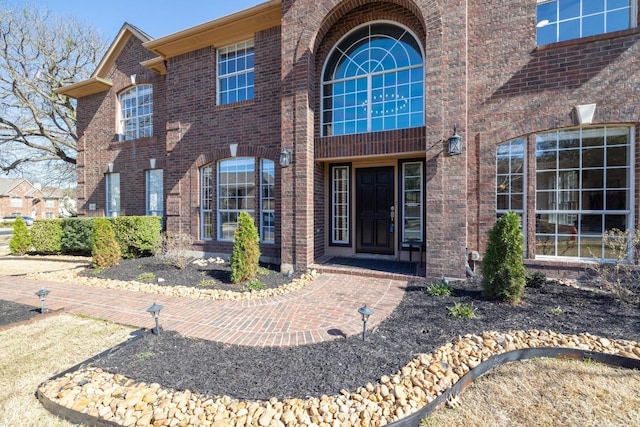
{"type": "Point", "coordinates": [12, 312]}
{"type": "Point", "coordinates": [208, 276]}
{"type": "Point", "coordinates": [420, 324]}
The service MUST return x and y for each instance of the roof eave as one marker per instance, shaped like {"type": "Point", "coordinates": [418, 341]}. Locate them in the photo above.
{"type": "Point", "coordinates": [219, 32]}
{"type": "Point", "coordinates": [86, 87]}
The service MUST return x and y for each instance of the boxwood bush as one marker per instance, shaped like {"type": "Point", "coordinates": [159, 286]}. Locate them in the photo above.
{"type": "Point", "coordinates": [137, 236]}
{"type": "Point", "coordinates": [46, 236]}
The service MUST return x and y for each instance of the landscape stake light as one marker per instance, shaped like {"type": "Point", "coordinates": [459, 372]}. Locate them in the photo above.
{"type": "Point", "coordinates": [365, 312]}
{"type": "Point", "coordinates": [42, 293]}
{"type": "Point", "coordinates": [155, 312]}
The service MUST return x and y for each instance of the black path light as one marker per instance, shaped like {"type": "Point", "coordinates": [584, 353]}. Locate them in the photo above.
{"type": "Point", "coordinates": [155, 312]}
{"type": "Point", "coordinates": [42, 294]}
{"type": "Point", "coordinates": [365, 312]}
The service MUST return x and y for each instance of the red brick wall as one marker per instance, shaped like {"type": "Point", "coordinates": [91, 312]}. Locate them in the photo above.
{"type": "Point", "coordinates": [517, 88]}
{"type": "Point", "coordinates": [98, 143]}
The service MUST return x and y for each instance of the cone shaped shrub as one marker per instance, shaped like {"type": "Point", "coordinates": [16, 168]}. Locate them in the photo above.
{"type": "Point", "coordinates": [503, 271]}
{"type": "Point", "coordinates": [21, 240]}
{"type": "Point", "coordinates": [246, 250]}
{"type": "Point", "coordinates": [104, 247]}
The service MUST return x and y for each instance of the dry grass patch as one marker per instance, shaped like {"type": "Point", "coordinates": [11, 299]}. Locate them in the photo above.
{"type": "Point", "coordinates": [30, 354]}
{"type": "Point", "coordinates": [547, 392]}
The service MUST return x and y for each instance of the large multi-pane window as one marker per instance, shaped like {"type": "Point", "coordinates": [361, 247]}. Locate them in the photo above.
{"type": "Point", "coordinates": [236, 193]}
{"type": "Point", "coordinates": [510, 170]}
{"type": "Point", "coordinates": [206, 203]}
{"type": "Point", "coordinates": [373, 81]}
{"type": "Point", "coordinates": [583, 189]}
{"type": "Point", "coordinates": [113, 194]}
{"type": "Point", "coordinates": [136, 112]}
{"type": "Point", "coordinates": [154, 192]}
{"type": "Point", "coordinates": [412, 221]}
{"type": "Point", "coordinates": [559, 20]}
{"type": "Point", "coordinates": [235, 73]}
{"type": "Point", "coordinates": [340, 205]}
{"type": "Point", "coordinates": [267, 201]}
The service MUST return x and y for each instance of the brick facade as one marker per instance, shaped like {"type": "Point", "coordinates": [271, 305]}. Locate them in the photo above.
{"type": "Point", "coordinates": [483, 73]}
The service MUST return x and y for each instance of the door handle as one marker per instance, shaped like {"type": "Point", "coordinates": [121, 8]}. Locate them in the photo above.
{"type": "Point", "coordinates": [392, 214]}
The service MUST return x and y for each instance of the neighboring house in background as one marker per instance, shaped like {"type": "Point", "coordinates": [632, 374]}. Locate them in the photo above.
{"type": "Point", "coordinates": [331, 123]}
{"type": "Point", "coordinates": [18, 196]}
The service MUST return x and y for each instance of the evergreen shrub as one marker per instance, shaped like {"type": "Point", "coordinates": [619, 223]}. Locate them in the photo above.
{"type": "Point", "coordinates": [21, 240]}
{"type": "Point", "coordinates": [503, 265]}
{"type": "Point", "coordinates": [245, 257]}
{"type": "Point", "coordinates": [104, 247]}
{"type": "Point", "coordinates": [46, 236]}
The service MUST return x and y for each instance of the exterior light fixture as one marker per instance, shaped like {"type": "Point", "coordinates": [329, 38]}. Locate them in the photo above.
{"type": "Point", "coordinates": [155, 312]}
{"type": "Point", "coordinates": [233, 148]}
{"type": "Point", "coordinates": [455, 142]}
{"type": "Point", "coordinates": [365, 312]}
{"type": "Point", "coordinates": [42, 294]}
{"type": "Point", "coordinates": [285, 158]}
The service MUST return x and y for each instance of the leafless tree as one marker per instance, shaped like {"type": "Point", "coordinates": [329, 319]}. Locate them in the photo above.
{"type": "Point", "coordinates": [40, 52]}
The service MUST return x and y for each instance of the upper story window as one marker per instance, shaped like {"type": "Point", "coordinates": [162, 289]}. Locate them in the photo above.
{"type": "Point", "coordinates": [49, 203]}
{"type": "Point", "coordinates": [16, 202]}
{"type": "Point", "coordinates": [136, 112]}
{"type": "Point", "coordinates": [235, 73]}
{"type": "Point", "coordinates": [373, 80]}
{"type": "Point", "coordinates": [559, 20]}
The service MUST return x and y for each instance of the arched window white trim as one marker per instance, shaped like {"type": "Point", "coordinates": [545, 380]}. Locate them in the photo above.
{"type": "Point", "coordinates": [136, 112]}
{"type": "Point", "coordinates": [373, 80]}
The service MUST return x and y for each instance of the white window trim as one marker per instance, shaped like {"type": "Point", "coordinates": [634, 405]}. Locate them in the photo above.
{"type": "Point", "coordinates": [160, 211]}
{"type": "Point", "coordinates": [421, 203]}
{"type": "Point", "coordinates": [271, 191]}
{"type": "Point", "coordinates": [121, 121]}
{"type": "Point", "coordinates": [113, 192]}
{"type": "Point", "coordinates": [347, 216]}
{"type": "Point", "coordinates": [219, 77]}
{"type": "Point", "coordinates": [220, 211]}
{"type": "Point", "coordinates": [207, 211]}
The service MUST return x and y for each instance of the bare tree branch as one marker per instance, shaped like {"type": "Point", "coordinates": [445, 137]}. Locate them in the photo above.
{"type": "Point", "coordinates": [40, 53]}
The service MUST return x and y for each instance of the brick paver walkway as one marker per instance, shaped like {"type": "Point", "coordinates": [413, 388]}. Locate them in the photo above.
{"type": "Point", "coordinates": [324, 310]}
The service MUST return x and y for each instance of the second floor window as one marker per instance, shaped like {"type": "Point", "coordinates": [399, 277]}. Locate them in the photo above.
{"type": "Point", "coordinates": [16, 202]}
{"type": "Point", "coordinates": [560, 20]}
{"type": "Point", "coordinates": [373, 80]}
{"type": "Point", "coordinates": [136, 112]}
{"type": "Point", "coordinates": [235, 73]}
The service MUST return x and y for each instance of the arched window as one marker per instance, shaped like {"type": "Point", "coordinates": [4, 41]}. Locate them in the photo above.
{"type": "Point", "coordinates": [373, 80]}
{"type": "Point", "coordinates": [136, 112]}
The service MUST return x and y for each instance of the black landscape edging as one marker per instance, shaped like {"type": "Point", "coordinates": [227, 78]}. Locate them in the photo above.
{"type": "Point", "coordinates": [513, 356]}
{"type": "Point", "coordinates": [75, 416]}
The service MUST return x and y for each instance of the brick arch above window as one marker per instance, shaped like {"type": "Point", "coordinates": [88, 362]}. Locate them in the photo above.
{"type": "Point", "coordinates": [224, 152]}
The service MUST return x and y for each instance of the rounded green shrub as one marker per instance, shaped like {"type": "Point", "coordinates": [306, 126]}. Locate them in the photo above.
{"type": "Point", "coordinates": [21, 240]}
{"type": "Point", "coordinates": [76, 236]}
{"type": "Point", "coordinates": [245, 257]}
{"type": "Point", "coordinates": [503, 271]}
{"type": "Point", "coordinates": [46, 235]}
{"type": "Point", "coordinates": [104, 247]}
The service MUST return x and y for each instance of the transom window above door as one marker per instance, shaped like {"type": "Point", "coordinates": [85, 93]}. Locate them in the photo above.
{"type": "Point", "coordinates": [373, 80]}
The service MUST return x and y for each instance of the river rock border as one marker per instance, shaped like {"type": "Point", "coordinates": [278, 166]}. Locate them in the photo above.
{"type": "Point", "coordinates": [176, 291]}
{"type": "Point", "coordinates": [103, 398]}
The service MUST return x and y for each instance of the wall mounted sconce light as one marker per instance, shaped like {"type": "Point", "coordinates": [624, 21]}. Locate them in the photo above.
{"type": "Point", "coordinates": [233, 148]}
{"type": "Point", "coordinates": [455, 142]}
{"type": "Point", "coordinates": [285, 158]}
{"type": "Point", "coordinates": [584, 113]}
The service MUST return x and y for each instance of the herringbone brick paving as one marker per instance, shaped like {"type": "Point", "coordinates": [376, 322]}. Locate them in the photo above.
{"type": "Point", "coordinates": [325, 309]}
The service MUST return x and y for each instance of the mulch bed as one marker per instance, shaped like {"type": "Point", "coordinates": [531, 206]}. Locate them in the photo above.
{"type": "Point", "coordinates": [420, 324]}
{"type": "Point", "coordinates": [201, 274]}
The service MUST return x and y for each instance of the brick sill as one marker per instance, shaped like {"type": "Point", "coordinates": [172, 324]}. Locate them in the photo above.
{"type": "Point", "coordinates": [590, 39]}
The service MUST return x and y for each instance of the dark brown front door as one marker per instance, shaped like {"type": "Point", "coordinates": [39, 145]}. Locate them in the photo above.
{"type": "Point", "coordinates": [374, 201]}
